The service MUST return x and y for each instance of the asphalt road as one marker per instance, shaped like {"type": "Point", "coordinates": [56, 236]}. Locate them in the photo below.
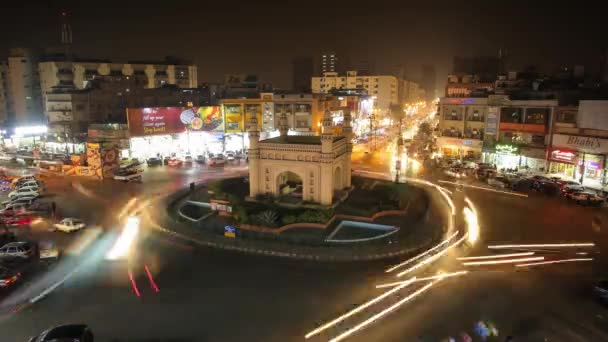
{"type": "Point", "coordinates": [208, 295]}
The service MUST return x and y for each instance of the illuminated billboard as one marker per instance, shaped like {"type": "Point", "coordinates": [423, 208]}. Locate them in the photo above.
{"type": "Point", "coordinates": [170, 120]}
{"type": "Point", "coordinates": [234, 118]}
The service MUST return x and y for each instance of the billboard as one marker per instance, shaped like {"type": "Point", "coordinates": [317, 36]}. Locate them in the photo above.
{"type": "Point", "coordinates": [170, 120]}
{"type": "Point", "coordinates": [234, 118]}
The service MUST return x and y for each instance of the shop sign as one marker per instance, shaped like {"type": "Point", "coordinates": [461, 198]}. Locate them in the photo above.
{"type": "Point", "coordinates": [461, 142]}
{"type": "Point", "coordinates": [172, 120]}
{"type": "Point", "coordinates": [563, 156]}
{"type": "Point", "coordinates": [233, 114]}
{"type": "Point", "coordinates": [230, 231]}
{"type": "Point", "coordinates": [507, 149]}
{"type": "Point", "coordinates": [584, 144]}
{"type": "Point", "coordinates": [491, 120]}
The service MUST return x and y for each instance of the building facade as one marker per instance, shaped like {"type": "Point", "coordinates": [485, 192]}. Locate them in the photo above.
{"type": "Point", "coordinates": [383, 89]}
{"type": "Point", "coordinates": [579, 143]}
{"type": "Point", "coordinates": [24, 104]}
{"type": "Point", "coordinates": [311, 168]}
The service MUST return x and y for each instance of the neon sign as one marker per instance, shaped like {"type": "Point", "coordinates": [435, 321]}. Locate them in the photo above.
{"type": "Point", "coordinates": [507, 149]}
{"type": "Point", "coordinates": [461, 101]}
{"type": "Point", "coordinates": [563, 155]}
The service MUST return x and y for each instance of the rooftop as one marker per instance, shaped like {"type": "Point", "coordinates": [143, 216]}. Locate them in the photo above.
{"type": "Point", "coordinates": [298, 140]}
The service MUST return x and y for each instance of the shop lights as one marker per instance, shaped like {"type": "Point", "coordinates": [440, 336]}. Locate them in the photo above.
{"type": "Point", "coordinates": [30, 130]}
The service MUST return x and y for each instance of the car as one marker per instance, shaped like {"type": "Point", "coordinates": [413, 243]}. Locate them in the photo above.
{"type": "Point", "coordinates": [7, 237]}
{"type": "Point", "coordinates": [154, 161]}
{"type": "Point", "coordinates": [229, 156]}
{"type": "Point", "coordinates": [601, 290]}
{"type": "Point", "coordinates": [23, 192]}
{"type": "Point", "coordinates": [455, 173]}
{"type": "Point", "coordinates": [586, 197]}
{"type": "Point", "coordinates": [69, 332]}
{"type": "Point", "coordinates": [539, 178]}
{"type": "Point", "coordinates": [175, 162]}
{"type": "Point", "coordinates": [564, 183]}
{"type": "Point", "coordinates": [48, 250]}
{"type": "Point", "coordinates": [200, 159]}
{"type": "Point", "coordinates": [8, 276]}
{"type": "Point", "coordinates": [499, 182]}
{"type": "Point", "coordinates": [17, 249]}
{"type": "Point", "coordinates": [217, 161]}
{"type": "Point", "coordinates": [166, 160]}
{"type": "Point", "coordinates": [188, 160]}
{"type": "Point", "coordinates": [69, 225]}
{"type": "Point", "coordinates": [568, 189]}
{"type": "Point", "coordinates": [18, 220]}
{"type": "Point", "coordinates": [13, 208]}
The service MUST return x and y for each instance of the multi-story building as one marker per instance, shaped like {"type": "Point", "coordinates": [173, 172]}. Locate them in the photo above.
{"type": "Point", "coordinates": [509, 133]}
{"type": "Point", "coordinates": [3, 92]}
{"type": "Point", "coordinates": [329, 62]}
{"type": "Point", "coordinates": [383, 89]}
{"type": "Point", "coordinates": [459, 85]}
{"type": "Point", "coordinates": [579, 143]}
{"type": "Point", "coordinates": [24, 104]}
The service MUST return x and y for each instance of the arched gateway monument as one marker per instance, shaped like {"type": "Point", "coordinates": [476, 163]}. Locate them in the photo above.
{"type": "Point", "coordinates": [309, 167]}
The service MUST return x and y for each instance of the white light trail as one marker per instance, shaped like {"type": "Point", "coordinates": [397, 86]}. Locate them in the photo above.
{"type": "Point", "coordinates": [383, 312]}
{"type": "Point", "coordinates": [484, 188]}
{"type": "Point", "coordinates": [554, 262]}
{"type": "Point", "coordinates": [433, 257]}
{"type": "Point", "coordinates": [126, 207]}
{"type": "Point", "coordinates": [447, 199]}
{"type": "Point", "coordinates": [497, 256]}
{"type": "Point", "coordinates": [442, 276]}
{"type": "Point", "coordinates": [472, 225]}
{"type": "Point", "coordinates": [544, 245]}
{"type": "Point", "coordinates": [359, 308]}
{"type": "Point", "coordinates": [499, 262]}
{"type": "Point", "coordinates": [125, 240]}
{"type": "Point", "coordinates": [423, 253]}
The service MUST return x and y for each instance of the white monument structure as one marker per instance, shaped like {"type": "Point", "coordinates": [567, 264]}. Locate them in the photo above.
{"type": "Point", "coordinates": [312, 168]}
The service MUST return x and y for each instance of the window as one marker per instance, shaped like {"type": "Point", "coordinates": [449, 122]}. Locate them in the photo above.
{"type": "Point", "coordinates": [538, 139]}
{"type": "Point", "coordinates": [566, 116]}
{"type": "Point", "coordinates": [536, 116]}
{"type": "Point", "coordinates": [511, 115]}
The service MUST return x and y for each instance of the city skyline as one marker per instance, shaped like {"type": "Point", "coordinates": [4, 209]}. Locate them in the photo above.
{"type": "Point", "coordinates": [264, 40]}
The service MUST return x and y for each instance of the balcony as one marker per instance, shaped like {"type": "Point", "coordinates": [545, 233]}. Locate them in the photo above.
{"type": "Point", "coordinates": [452, 133]}
{"type": "Point", "coordinates": [452, 117]}
{"type": "Point", "coordinates": [472, 118]}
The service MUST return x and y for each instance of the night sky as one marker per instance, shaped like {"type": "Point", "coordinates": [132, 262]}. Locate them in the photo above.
{"type": "Point", "coordinates": [262, 37]}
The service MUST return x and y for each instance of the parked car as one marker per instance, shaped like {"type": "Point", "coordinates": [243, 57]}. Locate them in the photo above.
{"type": "Point", "coordinates": [188, 160]}
{"type": "Point", "coordinates": [17, 249]}
{"type": "Point", "coordinates": [175, 162]}
{"type": "Point", "coordinates": [8, 276]}
{"type": "Point", "coordinates": [601, 290]}
{"type": "Point", "coordinates": [499, 182]}
{"type": "Point", "coordinates": [564, 183]}
{"type": "Point", "coordinates": [200, 159]}
{"type": "Point", "coordinates": [7, 237]}
{"type": "Point", "coordinates": [217, 161]}
{"type": "Point", "coordinates": [166, 160]}
{"type": "Point", "coordinates": [48, 250]}
{"type": "Point", "coordinates": [455, 172]}
{"type": "Point", "coordinates": [70, 332]}
{"type": "Point", "coordinates": [585, 197]}
{"type": "Point", "coordinates": [568, 189]}
{"type": "Point", "coordinates": [18, 220]}
{"type": "Point", "coordinates": [229, 156]}
{"type": "Point", "coordinates": [23, 193]}
{"type": "Point", "coordinates": [69, 225]}
{"type": "Point", "coordinates": [154, 161]}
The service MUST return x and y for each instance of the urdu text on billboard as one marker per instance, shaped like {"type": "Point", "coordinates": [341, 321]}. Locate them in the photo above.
{"type": "Point", "coordinates": [170, 120]}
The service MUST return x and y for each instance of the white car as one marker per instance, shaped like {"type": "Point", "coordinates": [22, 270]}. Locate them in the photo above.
{"type": "Point", "coordinates": [455, 173]}
{"type": "Point", "coordinates": [499, 182]}
{"type": "Point", "coordinates": [29, 191]}
{"type": "Point", "coordinates": [17, 249]}
{"type": "Point", "coordinates": [69, 225]}
{"type": "Point", "coordinates": [230, 156]}
{"type": "Point", "coordinates": [217, 161]}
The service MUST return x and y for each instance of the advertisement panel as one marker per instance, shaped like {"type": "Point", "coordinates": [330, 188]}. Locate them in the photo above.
{"type": "Point", "coordinates": [492, 120]}
{"type": "Point", "coordinates": [170, 120]}
{"type": "Point", "coordinates": [581, 143]}
{"type": "Point", "coordinates": [233, 114]}
{"type": "Point", "coordinates": [253, 109]}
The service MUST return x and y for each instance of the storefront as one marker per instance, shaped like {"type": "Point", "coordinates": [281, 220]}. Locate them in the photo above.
{"type": "Point", "coordinates": [468, 149]}
{"type": "Point", "coordinates": [509, 156]}
{"type": "Point", "coordinates": [579, 158]}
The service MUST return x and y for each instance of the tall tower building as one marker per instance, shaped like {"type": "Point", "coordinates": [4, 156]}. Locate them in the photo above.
{"type": "Point", "coordinates": [25, 101]}
{"type": "Point", "coordinates": [329, 62]}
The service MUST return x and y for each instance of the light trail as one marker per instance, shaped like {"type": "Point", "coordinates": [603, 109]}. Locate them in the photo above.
{"type": "Point", "coordinates": [423, 253]}
{"type": "Point", "coordinates": [499, 262]}
{"type": "Point", "coordinates": [472, 225]}
{"type": "Point", "coordinates": [554, 262]}
{"type": "Point", "coordinates": [434, 257]}
{"type": "Point", "coordinates": [447, 199]}
{"type": "Point", "coordinates": [152, 282]}
{"type": "Point", "coordinates": [134, 285]}
{"type": "Point", "coordinates": [123, 244]}
{"type": "Point", "coordinates": [383, 312]}
{"type": "Point", "coordinates": [442, 276]}
{"type": "Point", "coordinates": [126, 207]}
{"type": "Point", "coordinates": [486, 189]}
{"type": "Point", "coordinates": [359, 308]}
{"type": "Point", "coordinates": [497, 256]}
{"type": "Point", "coordinates": [544, 245]}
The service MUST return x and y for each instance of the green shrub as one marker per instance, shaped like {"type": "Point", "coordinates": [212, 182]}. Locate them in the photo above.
{"type": "Point", "coordinates": [267, 218]}
{"type": "Point", "coordinates": [289, 219]}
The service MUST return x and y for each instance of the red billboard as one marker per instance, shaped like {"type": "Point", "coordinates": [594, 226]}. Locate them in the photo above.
{"type": "Point", "coordinates": [170, 120]}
